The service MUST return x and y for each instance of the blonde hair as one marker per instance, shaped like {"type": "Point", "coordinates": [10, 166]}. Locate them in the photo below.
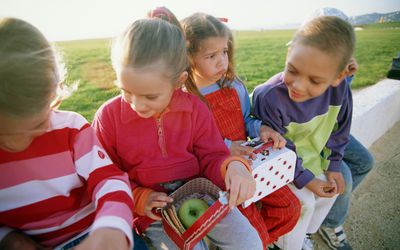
{"type": "Point", "coordinates": [29, 71]}
{"type": "Point", "coordinates": [149, 43]}
{"type": "Point", "coordinates": [330, 34]}
{"type": "Point", "coordinates": [199, 27]}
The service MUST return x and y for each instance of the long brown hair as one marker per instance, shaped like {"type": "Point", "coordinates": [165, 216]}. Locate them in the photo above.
{"type": "Point", "coordinates": [199, 27]}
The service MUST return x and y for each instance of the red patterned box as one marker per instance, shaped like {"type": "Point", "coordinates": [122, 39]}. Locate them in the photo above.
{"type": "Point", "coordinates": [196, 188]}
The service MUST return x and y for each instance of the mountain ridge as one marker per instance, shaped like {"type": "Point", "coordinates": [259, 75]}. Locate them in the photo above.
{"type": "Point", "coordinates": [375, 18]}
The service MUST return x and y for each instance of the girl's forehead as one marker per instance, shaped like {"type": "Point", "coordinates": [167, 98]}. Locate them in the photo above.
{"type": "Point", "coordinates": [156, 70]}
{"type": "Point", "coordinates": [212, 43]}
{"type": "Point", "coordinates": [143, 80]}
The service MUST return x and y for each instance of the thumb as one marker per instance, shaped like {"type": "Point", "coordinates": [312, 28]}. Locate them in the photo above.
{"type": "Point", "coordinates": [151, 215]}
{"type": "Point", "coordinates": [335, 186]}
{"type": "Point", "coordinates": [330, 186]}
{"type": "Point", "coordinates": [330, 179]}
{"type": "Point", "coordinates": [227, 182]}
{"type": "Point", "coordinates": [246, 150]}
{"type": "Point", "coordinates": [265, 136]}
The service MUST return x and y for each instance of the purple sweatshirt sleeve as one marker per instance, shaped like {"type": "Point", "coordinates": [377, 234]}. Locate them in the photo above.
{"type": "Point", "coordinates": [340, 136]}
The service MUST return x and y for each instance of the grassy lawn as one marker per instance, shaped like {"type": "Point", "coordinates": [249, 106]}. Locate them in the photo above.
{"type": "Point", "coordinates": [258, 55]}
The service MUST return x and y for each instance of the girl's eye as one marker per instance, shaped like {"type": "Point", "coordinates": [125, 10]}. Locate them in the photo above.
{"type": "Point", "coordinates": [226, 52]}
{"type": "Point", "coordinates": [291, 71]}
{"type": "Point", "coordinates": [151, 97]}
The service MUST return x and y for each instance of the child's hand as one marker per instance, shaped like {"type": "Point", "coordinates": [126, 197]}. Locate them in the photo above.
{"type": "Point", "coordinates": [352, 67]}
{"type": "Point", "coordinates": [238, 149]}
{"type": "Point", "coordinates": [156, 200]}
{"type": "Point", "coordinates": [239, 182]}
{"type": "Point", "coordinates": [267, 133]}
{"type": "Point", "coordinates": [336, 177]}
{"type": "Point", "coordinates": [104, 238]}
{"type": "Point", "coordinates": [322, 188]}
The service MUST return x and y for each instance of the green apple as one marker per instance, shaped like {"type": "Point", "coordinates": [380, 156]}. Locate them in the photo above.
{"type": "Point", "coordinates": [190, 210]}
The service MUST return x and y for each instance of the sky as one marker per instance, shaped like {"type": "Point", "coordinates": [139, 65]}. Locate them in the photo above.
{"type": "Point", "coordinates": [81, 19]}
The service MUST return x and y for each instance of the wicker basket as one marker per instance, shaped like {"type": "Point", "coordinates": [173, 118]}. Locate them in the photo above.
{"type": "Point", "coordinates": [196, 188]}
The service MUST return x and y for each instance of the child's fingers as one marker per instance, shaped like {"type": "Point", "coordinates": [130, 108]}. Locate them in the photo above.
{"type": "Point", "coordinates": [340, 183]}
{"type": "Point", "coordinates": [160, 196]}
{"type": "Point", "coordinates": [324, 194]}
{"type": "Point", "coordinates": [246, 191]}
{"type": "Point", "coordinates": [245, 150]}
{"type": "Point", "coordinates": [158, 204]}
{"type": "Point", "coordinates": [340, 187]}
{"type": "Point", "coordinates": [271, 136]}
{"type": "Point", "coordinates": [249, 161]}
{"type": "Point", "coordinates": [249, 192]}
{"type": "Point", "coordinates": [266, 136]}
{"type": "Point", "coordinates": [276, 140]}
{"type": "Point", "coordinates": [335, 186]}
{"type": "Point", "coordinates": [242, 195]}
{"type": "Point", "coordinates": [279, 141]}
{"type": "Point", "coordinates": [238, 180]}
{"type": "Point", "coordinates": [227, 182]}
{"type": "Point", "coordinates": [282, 141]}
{"type": "Point", "coordinates": [233, 195]}
{"type": "Point", "coordinates": [328, 188]}
{"type": "Point", "coordinates": [336, 180]}
{"type": "Point", "coordinates": [151, 215]}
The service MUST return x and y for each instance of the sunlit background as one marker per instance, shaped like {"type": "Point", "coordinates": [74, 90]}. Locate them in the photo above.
{"type": "Point", "coordinates": [80, 19]}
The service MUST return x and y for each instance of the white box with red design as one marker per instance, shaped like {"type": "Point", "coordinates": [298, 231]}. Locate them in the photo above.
{"type": "Point", "coordinates": [272, 169]}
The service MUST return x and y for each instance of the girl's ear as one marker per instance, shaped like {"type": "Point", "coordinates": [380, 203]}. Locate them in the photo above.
{"type": "Point", "coordinates": [182, 78]}
{"type": "Point", "coordinates": [339, 78]}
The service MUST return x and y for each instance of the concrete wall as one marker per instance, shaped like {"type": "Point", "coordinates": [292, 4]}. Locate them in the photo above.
{"type": "Point", "coordinates": [375, 110]}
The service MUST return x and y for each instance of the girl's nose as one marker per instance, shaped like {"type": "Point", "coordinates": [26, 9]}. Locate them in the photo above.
{"type": "Point", "coordinates": [138, 105]}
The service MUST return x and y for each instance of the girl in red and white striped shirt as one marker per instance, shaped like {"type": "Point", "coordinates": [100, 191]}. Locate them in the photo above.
{"type": "Point", "coordinates": [56, 181]}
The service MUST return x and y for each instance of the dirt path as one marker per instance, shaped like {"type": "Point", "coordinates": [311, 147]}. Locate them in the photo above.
{"type": "Point", "coordinates": [374, 219]}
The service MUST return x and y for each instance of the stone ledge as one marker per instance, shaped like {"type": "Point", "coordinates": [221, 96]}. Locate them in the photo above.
{"type": "Point", "coordinates": [375, 110]}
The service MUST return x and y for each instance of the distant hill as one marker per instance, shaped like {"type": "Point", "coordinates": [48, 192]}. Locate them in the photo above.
{"type": "Point", "coordinates": [361, 19]}
{"type": "Point", "coordinates": [375, 18]}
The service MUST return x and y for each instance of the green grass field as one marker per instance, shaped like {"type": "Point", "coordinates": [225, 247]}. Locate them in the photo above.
{"type": "Point", "coordinates": [258, 56]}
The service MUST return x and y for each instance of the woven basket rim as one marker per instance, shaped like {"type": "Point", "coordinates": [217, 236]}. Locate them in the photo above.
{"type": "Point", "coordinates": [197, 185]}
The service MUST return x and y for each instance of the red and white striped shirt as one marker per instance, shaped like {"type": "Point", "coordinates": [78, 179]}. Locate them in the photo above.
{"type": "Point", "coordinates": [63, 183]}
